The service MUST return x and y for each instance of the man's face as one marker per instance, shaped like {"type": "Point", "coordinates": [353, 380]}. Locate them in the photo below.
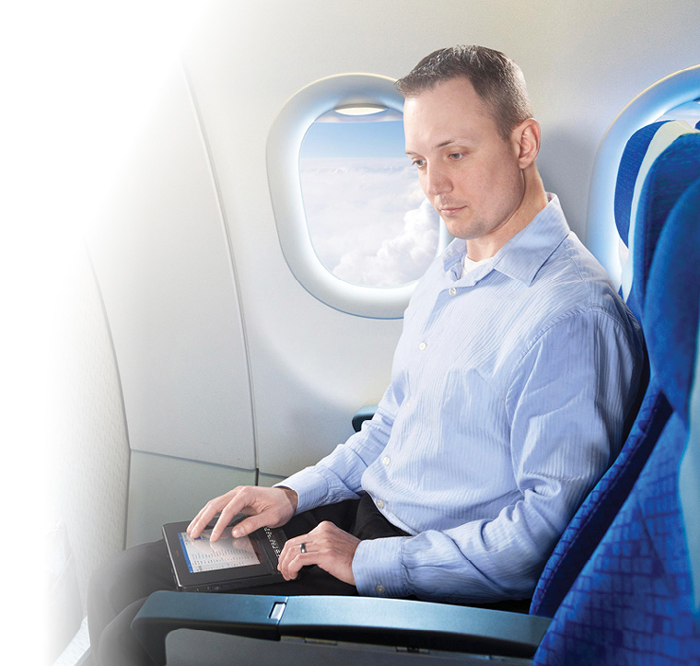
{"type": "Point", "coordinates": [471, 175]}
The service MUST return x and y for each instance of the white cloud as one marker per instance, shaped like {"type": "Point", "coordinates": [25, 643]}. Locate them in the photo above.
{"type": "Point", "coordinates": [369, 220]}
{"type": "Point", "coordinates": [398, 260]}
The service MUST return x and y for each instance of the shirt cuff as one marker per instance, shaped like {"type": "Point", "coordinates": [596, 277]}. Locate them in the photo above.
{"type": "Point", "coordinates": [310, 487]}
{"type": "Point", "coordinates": [378, 569]}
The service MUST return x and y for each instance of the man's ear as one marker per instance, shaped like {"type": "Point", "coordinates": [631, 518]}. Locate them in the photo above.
{"type": "Point", "coordinates": [526, 139]}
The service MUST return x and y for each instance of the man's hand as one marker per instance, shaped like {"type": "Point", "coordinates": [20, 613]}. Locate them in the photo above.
{"type": "Point", "coordinates": [326, 545]}
{"type": "Point", "coordinates": [268, 507]}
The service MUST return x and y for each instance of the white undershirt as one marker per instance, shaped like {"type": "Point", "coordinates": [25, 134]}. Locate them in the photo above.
{"type": "Point", "coordinates": [470, 265]}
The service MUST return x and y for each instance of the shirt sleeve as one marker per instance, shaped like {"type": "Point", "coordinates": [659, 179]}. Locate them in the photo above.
{"type": "Point", "coordinates": [338, 476]}
{"type": "Point", "coordinates": [566, 405]}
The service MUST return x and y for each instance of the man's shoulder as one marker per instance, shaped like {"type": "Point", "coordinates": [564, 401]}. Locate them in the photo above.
{"type": "Point", "coordinates": [572, 268]}
{"type": "Point", "coordinates": [572, 283]}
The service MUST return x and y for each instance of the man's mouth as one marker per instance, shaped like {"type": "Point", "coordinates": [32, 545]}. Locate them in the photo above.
{"type": "Point", "coordinates": [449, 211]}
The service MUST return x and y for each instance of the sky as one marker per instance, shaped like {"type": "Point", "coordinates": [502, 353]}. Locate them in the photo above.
{"type": "Point", "coordinates": [368, 218]}
{"type": "Point", "coordinates": [355, 139]}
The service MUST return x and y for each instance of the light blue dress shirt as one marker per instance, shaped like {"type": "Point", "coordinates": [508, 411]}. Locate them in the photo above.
{"type": "Point", "coordinates": [508, 396]}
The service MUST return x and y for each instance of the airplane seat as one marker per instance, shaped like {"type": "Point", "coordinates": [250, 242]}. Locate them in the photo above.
{"type": "Point", "coordinates": [365, 413]}
{"type": "Point", "coordinates": [633, 601]}
{"type": "Point", "coordinates": [656, 167]}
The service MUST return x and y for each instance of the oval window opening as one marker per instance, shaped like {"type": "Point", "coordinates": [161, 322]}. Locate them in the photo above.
{"type": "Point", "coordinates": [354, 226]}
{"type": "Point", "coordinates": [369, 221]}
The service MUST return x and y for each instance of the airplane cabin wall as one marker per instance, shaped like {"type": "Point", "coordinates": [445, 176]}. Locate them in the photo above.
{"type": "Point", "coordinates": [227, 363]}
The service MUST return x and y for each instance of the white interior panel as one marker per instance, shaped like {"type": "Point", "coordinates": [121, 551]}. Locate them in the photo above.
{"type": "Point", "coordinates": [167, 490]}
{"type": "Point", "coordinates": [164, 266]}
{"type": "Point", "coordinates": [87, 457]}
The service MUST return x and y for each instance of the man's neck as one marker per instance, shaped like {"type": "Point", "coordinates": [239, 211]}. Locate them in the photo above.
{"type": "Point", "coordinates": [533, 201]}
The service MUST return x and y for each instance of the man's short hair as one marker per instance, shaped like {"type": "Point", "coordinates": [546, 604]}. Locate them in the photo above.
{"type": "Point", "coordinates": [497, 80]}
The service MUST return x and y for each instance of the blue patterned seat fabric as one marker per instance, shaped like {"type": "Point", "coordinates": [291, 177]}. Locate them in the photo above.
{"type": "Point", "coordinates": [663, 184]}
{"type": "Point", "coordinates": [633, 601]}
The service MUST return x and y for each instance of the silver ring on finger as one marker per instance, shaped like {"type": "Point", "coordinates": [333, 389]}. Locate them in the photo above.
{"type": "Point", "coordinates": [302, 547]}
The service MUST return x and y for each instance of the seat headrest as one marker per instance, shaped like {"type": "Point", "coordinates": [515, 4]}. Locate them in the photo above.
{"type": "Point", "coordinates": [641, 157]}
{"type": "Point", "coordinates": [631, 160]}
{"type": "Point", "coordinates": [669, 176]}
{"type": "Point", "coordinates": [673, 300]}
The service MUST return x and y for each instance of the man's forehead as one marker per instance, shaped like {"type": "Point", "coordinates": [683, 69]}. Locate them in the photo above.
{"type": "Point", "coordinates": [448, 112]}
{"type": "Point", "coordinates": [451, 98]}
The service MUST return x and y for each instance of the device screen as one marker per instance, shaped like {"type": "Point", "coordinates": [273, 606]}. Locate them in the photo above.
{"type": "Point", "coordinates": [226, 553]}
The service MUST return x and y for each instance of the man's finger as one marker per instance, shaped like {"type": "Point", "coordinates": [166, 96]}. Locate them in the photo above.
{"type": "Point", "coordinates": [223, 505]}
{"type": "Point", "coordinates": [227, 514]}
{"type": "Point", "coordinates": [249, 525]}
{"type": "Point", "coordinates": [291, 549]}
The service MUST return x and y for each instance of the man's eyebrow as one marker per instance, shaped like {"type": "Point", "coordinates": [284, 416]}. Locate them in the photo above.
{"type": "Point", "coordinates": [446, 143]}
{"type": "Point", "coordinates": [442, 144]}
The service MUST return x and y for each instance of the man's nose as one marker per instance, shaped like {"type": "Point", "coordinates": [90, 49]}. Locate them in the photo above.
{"type": "Point", "coordinates": [437, 181]}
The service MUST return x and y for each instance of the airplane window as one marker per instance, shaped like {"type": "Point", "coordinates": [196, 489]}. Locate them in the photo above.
{"type": "Point", "coordinates": [369, 221]}
{"type": "Point", "coordinates": [354, 226]}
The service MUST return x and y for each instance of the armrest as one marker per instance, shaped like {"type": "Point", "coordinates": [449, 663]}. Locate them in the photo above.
{"type": "Point", "coordinates": [363, 414]}
{"type": "Point", "coordinates": [365, 620]}
{"type": "Point", "coordinates": [240, 614]}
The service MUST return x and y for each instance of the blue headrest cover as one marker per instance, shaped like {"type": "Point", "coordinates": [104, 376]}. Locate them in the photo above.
{"type": "Point", "coordinates": [673, 300]}
{"type": "Point", "coordinates": [672, 172]}
{"type": "Point", "coordinates": [632, 157]}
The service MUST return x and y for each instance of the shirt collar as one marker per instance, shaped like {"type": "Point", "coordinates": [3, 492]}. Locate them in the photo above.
{"type": "Point", "coordinates": [524, 254]}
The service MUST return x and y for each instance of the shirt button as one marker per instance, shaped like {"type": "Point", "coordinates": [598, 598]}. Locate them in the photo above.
{"type": "Point", "coordinates": [453, 291]}
{"type": "Point", "coordinates": [423, 346]}
{"type": "Point", "coordinates": [386, 460]}
{"type": "Point", "coordinates": [380, 504]}
{"type": "Point", "coordinates": [380, 589]}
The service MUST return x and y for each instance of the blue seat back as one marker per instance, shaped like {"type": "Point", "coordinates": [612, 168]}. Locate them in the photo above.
{"type": "Point", "coordinates": [633, 601]}
{"type": "Point", "coordinates": [675, 159]}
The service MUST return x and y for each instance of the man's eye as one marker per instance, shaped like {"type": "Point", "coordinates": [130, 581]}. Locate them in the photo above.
{"type": "Point", "coordinates": [419, 163]}
{"type": "Point", "coordinates": [456, 156]}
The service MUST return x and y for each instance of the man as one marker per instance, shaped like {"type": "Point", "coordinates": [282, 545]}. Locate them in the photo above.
{"type": "Point", "coordinates": [510, 386]}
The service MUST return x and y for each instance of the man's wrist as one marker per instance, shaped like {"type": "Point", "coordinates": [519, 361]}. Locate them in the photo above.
{"type": "Point", "coordinates": [292, 496]}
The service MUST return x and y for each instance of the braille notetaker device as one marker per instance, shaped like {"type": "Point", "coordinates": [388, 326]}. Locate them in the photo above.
{"type": "Point", "coordinates": [200, 565]}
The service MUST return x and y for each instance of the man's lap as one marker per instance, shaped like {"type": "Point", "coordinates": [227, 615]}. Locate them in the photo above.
{"type": "Point", "coordinates": [121, 587]}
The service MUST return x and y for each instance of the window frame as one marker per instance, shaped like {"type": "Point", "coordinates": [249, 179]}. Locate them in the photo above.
{"type": "Point", "coordinates": [284, 179]}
